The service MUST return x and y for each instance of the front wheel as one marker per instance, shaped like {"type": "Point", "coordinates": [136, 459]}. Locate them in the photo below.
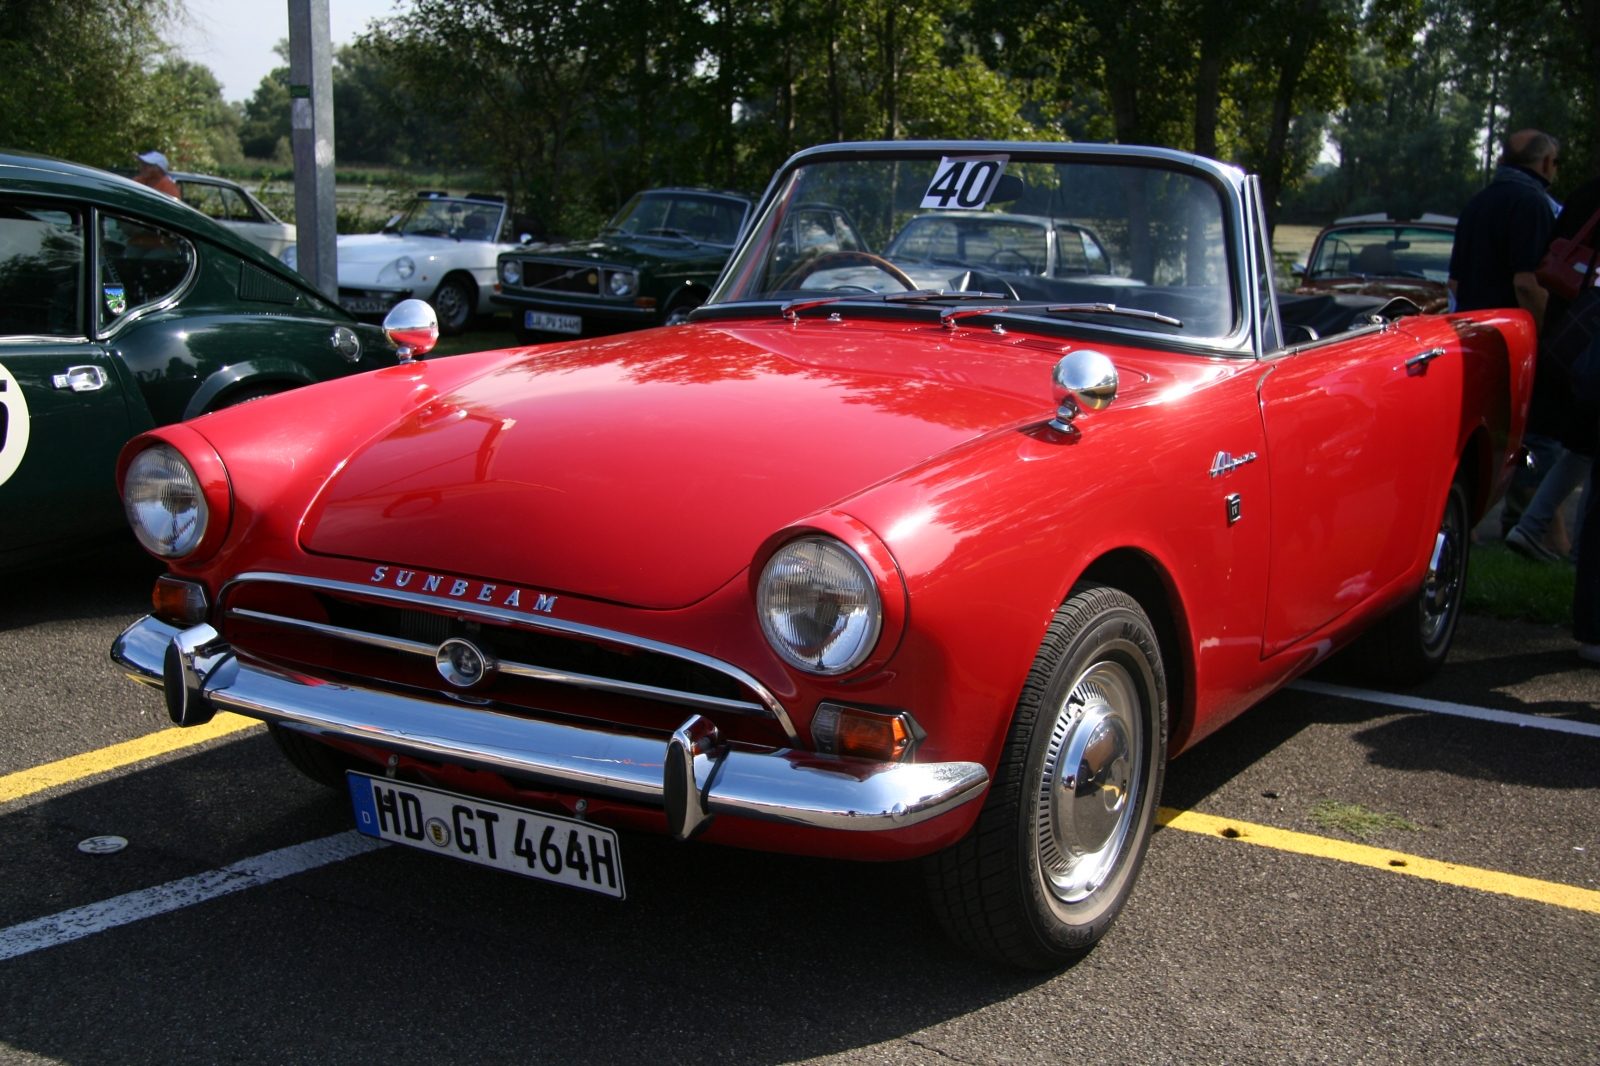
{"type": "Point", "coordinates": [1058, 846]}
{"type": "Point", "coordinates": [1410, 645]}
{"type": "Point", "coordinates": [452, 302]}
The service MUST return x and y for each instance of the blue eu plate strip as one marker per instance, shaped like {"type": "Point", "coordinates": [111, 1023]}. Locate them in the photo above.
{"type": "Point", "coordinates": [361, 799]}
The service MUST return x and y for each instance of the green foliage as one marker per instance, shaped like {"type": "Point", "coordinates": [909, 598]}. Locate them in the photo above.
{"type": "Point", "coordinates": [1502, 584]}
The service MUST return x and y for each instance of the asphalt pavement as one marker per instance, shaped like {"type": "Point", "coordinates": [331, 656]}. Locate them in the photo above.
{"type": "Point", "coordinates": [1227, 953]}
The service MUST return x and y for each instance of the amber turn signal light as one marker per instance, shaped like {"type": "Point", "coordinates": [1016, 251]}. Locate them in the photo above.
{"type": "Point", "coordinates": [838, 730]}
{"type": "Point", "coordinates": [183, 603]}
{"type": "Point", "coordinates": [645, 301]}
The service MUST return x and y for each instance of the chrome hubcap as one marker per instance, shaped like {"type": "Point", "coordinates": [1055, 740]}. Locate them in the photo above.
{"type": "Point", "coordinates": [1445, 575]}
{"type": "Point", "coordinates": [452, 305]}
{"type": "Point", "coordinates": [1089, 787]}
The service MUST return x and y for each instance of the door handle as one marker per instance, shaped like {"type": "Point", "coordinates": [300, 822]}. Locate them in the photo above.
{"type": "Point", "coordinates": [80, 379]}
{"type": "Point", "coordinates": [1419, 362]}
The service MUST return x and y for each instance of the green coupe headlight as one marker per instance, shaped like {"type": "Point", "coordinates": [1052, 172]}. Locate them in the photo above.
{"type": "Point", "coordinates": [165, 504]}
{"type": "Point", "coordinates": [819, 606]}
{"type": "Point", "coordinates": [511, 272]}
{"type": "Point", "coordinates": [622, 282]}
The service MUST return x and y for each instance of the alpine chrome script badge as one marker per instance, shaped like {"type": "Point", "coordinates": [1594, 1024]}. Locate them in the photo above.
{"type": "Point", "coordinates": [464, 664]}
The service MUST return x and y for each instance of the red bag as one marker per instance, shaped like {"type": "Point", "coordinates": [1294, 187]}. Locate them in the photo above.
{"type": "Point", "coordinates": [1568, 265]}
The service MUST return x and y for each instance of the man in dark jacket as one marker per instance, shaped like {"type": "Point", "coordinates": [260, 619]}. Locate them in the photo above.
{"type": "Point", "coordinates": [1504, 230]}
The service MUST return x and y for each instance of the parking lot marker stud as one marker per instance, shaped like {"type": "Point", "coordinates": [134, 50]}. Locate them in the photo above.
{"type": "Point", "coordinates": [64, 771]}
{"type": "Point", "coordinates": [1551, 892]}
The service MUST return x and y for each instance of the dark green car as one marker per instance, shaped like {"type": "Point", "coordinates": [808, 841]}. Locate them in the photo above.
{"type": "Point", "coordinates": [652, 264]}
{"type": "Point", "coordinates": [122, 309]}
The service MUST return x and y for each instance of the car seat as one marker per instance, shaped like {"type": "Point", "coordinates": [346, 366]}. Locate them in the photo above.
{"type": "Point", "coordinates": [1374, 259]}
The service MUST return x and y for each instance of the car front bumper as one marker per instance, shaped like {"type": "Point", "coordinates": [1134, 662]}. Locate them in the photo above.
{"type": "Point", "coordinates": [693, 775]}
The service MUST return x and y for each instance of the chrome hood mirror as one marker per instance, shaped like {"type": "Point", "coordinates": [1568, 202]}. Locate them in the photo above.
{"type": "Point", "coordinates": [1082, 379]}
{"type": "Point", "coordinates": [412, 328]}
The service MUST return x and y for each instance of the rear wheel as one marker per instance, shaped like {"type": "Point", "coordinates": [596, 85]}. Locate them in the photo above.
{"type": "Point", "coordinates": [1411, 644]}
{"type": "Point", "coordinates": [1058, 846]}
{"type": "Point", "coordinates": [323, 764]}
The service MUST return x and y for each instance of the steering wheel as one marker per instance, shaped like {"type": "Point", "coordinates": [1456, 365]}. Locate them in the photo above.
{"type": "Point", "coordinates": [833, 260]}
{"type": "Point", "coordinates": [1027, 264]}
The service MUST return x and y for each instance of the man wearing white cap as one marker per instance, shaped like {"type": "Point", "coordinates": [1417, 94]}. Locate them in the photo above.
{"type": "Point", "coordinates": [153, 172]}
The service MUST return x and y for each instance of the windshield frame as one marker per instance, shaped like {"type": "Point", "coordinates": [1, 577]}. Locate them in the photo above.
{"type": "Point", "coordinates": [1231, 184]}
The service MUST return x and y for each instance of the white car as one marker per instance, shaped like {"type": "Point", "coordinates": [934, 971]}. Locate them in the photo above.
{"type": "Point", "coordinates": [236, 209]}
{"type": "Point", "coordinates": [441, 249]}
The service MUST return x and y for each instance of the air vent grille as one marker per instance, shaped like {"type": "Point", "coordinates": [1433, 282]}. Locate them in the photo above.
{"type": "Point", "coordinates": [256, 284]}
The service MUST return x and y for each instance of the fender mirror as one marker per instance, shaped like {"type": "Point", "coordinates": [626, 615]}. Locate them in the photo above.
{"type": "Point", "coordinates": [1085, 378]}
{"type": "Point", "coordinates": [412, 328]}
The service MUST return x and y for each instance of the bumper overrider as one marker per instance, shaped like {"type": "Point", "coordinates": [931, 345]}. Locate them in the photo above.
{"type": "Point", "coordinates": [693, 776]}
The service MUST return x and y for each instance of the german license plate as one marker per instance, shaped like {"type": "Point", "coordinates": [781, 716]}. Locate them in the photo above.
{"type": "Point", "coordinates": [550, 848]}
{"type": "Point", "coordinates": [543, 320]}
{"type": "Point", "coordinates": [357, 306]}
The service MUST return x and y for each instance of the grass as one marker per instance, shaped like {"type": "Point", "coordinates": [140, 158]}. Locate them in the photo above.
{"type": "Point", "coordinates": [1502, 584]}
{"type": "Point", "coordinates": [497, 335]}
{"type": "Point", "coordinates": [1354, 820]}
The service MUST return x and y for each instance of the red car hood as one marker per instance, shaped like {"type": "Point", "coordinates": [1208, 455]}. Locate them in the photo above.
{"type": "Point", "coordinates": [647, 469]}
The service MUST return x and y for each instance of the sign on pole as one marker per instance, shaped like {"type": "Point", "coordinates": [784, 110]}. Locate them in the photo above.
{"type": "Point", "coordinates": [311, 122]}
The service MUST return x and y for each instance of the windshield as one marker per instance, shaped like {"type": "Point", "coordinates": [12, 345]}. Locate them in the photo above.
{"type": "Point", "coordinates": [465, 220]}
{"type": "Point", "coordinates": [1037, 231]}
{"type": "Point", "coordinates": [1389, 251]}
{"type": "Point", "coordinates": [684, 216]}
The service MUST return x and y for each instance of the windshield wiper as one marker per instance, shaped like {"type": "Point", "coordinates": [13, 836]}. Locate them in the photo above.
{"type": "Point", "coordinates": [791, 310]}
{"type": "Point", "coordinates": [1113, 309]}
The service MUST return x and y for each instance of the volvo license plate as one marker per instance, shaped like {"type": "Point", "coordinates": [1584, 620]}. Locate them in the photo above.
{"type": "Point", "coordinates": [543, 320]}
{"type": "Point", "coordinates": [545, 846]}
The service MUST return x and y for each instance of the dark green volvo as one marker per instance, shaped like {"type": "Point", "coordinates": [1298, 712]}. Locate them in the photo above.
{"type": "Point", "coordinates": [122, 309]}
{"type": "Point", "coordinates": [651, 265]}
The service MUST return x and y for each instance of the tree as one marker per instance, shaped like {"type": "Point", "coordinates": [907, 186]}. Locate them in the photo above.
{"type": "Point", "coordinates": [85, 81]}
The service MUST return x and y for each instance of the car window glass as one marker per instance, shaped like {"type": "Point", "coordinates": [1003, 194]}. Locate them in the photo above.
{"type": "Point", "coordinates": [204, 197]}
{"type": "Point", "coordinates": [1157, 234]}
{"type": "Point", "coordinates": [693, 217]}
{"type": "Point", "coordinates": [41, 263]}
{"type": "Point", "coordinates": [466, 220]}
{"type": "Point", "coordinates": [139, 265]}
{"type": "Point", "coordinates": [1070, 258]}
{"type": "Point", "coordinates": [239, 209]}
{"type": "Point", "coordinates": [1384, 251]}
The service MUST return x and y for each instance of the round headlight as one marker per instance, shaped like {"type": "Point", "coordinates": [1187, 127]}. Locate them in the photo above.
{"type": "Point", "coordinates": [511, 272]}
{"type": "Point", "coordinates": [165, 504]}
{"type": "Point", "coordinates": [404, 266]}
{"type": "Point", "coordinates": [622, 283]}
{"type": "Point", "coordinates": [819, 606]}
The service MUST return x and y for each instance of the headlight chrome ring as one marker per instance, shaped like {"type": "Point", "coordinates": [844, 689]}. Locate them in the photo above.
{"type": "Point", "coordinates": [165, 502]}
{"type": "Point", "coordinates": [819, 606]}
{"type": "Point", "coordinates": [511, 272]}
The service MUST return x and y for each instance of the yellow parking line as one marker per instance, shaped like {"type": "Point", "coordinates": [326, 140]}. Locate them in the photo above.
{"type": "Point", "coordinates": [1395, 862]}
{"type": "Point", "coordinates": [37, 779]}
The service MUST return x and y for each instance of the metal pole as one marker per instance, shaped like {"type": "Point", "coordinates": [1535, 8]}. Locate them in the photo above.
{"type": "Point", "coordinates": [311, 113]}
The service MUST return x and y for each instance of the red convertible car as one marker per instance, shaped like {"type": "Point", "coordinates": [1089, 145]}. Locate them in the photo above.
{"type": "Point", "coordinates": [850, 564]}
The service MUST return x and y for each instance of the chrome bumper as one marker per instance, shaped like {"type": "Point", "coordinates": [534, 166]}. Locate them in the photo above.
{"type": "Point", "coordinates": [693, 776]}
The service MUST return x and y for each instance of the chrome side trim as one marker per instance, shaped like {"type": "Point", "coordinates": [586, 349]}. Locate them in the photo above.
{"type": "Point", "coordinates": [794, 788]}
{"type": "Point", "coordinates": [538, 673]}
{"type": "Point", "coordinates": [516, 618]}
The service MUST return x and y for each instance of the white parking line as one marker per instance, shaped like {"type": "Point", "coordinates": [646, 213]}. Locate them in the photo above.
{"type": "Point", "coordinates": [1417, 703]}
{"type": "Point", "coordinates": [148, 902]}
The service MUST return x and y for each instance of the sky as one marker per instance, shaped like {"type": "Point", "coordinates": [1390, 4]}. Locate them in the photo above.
{"type": "Point", "coordinates": [235, 37]}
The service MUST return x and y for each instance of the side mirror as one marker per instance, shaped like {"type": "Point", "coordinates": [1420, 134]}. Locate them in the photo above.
{"type": "Point", "coordinates": [1298, 270]}
{"type": "Point", "coordinates": [412, 328]}
{"type": "Point", "coordinates": [1085, 378]}
{"type": "Point", "coordinates": [525, 238]}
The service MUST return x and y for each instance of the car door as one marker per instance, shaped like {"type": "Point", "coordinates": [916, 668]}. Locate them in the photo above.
{"type": "Point", "coordinates": [1360, 437]}
{"type": "Point", "coordinates": [63, 415]}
